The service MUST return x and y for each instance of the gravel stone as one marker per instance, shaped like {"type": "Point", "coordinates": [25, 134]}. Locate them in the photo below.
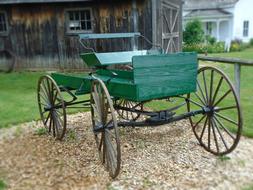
{"type": "Point", "coordinates": [164, 157]}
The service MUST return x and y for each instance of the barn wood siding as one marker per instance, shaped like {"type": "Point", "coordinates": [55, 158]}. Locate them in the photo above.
{"type": "Point", "coordinates": [37, 32]}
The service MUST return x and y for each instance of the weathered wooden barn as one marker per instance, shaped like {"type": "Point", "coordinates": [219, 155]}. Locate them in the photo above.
{"type": "Point", "coordinates": [42, 34]}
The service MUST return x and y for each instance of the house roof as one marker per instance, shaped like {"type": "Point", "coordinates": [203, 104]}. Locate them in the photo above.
{"type": "Point", "coordinates": [207, 13]}
{"type": "Point", "coordinates": [207, 4]}
{"type": "Point", "coordinates": [37, 1]}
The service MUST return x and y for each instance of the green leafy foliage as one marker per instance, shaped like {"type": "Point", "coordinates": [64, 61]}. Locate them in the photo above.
{"type": "Point", "coordinates": [218, 47]}
{"type": "Point", "coordinates": [193, 33]}
{"type": "Point", "coordinates": [41, 131]}
{"type": "Point", "coordinates": [238, 45]}
{"type": "Point", "coordinates": [210, 40]}
{"type": "Point", "coordinates": [2, 185]}
{"type": "Point", "coordinates": [251, 42]}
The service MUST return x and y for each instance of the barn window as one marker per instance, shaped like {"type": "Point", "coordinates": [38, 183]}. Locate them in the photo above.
{"type": "Point", "coordinates": [245, 28]}
{"type": "Point", "coordinates": [3, 23]}
{"type": "Point", "coordinates": [79, 20]}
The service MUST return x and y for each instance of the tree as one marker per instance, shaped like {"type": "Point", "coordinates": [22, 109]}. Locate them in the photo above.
{"type": "Point", "coordinates": [193, 33]}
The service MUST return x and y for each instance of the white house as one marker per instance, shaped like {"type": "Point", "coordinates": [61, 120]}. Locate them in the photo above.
{"type": "Point", "coordinates": [225, 20]}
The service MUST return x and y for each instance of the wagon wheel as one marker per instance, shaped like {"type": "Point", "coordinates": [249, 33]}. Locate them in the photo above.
{"type": "Point", "coordinates": [130, 116]}
{"type": "Point", "coordinates": [105, 128]}
{"type": "Point", "coordinates": [51, 107]}
{"type": "Point", "coordinates": [127, 115]}
{"type": "Point", "coordinates": [219, 130]}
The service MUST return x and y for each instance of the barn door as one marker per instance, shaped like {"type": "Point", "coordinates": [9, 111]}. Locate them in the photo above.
{"type": "Point", "coordinates": [170, 26]}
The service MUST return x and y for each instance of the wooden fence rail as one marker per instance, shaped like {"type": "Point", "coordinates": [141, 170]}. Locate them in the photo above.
{"type": "Point", "coordinates": [237, 67]}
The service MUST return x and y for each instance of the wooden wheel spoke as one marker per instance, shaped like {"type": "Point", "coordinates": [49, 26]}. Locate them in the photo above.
{"type": "Point", "coordinates": [204, 128]}
{"type": "Point", "coordinates": [204, 79]}
{"type": "Point", "coordinates": [217, 90]}
{"type": "Point", "coordinates": [101, 142]}
{"type": "Point", "coordinates": [215, 137]}
{"type": "Point", "coordinates": [224, 128]}
{"type": "Point", "coordinates": [226, 118]}
{"type": "Point", "coordinates": [97, 103]}
{"type": "Point", "coordinates": [50, 125]}
{"type": "Point", "coordinates": [201, 91]}
{"type": "Point", "coordinates": [111, 134]}
{"type": "Point", "coordinates": [42, 95]}
{"type": "Point", "coordinates": [96, 112]}
{"type": "Point", "coordinates": [211, 88]}
{"type": "Point", "coordinates": [225, 95]}
{"type": "Point", "coordinates": [199, 122]}
{"type": "Point", "coordinates": [225, 108]}
{"type": "Point", "coordinates": [197, 104]}
{"type": "Point", "coordinates": [111, 153]}
{"type": "Point", "coordinates": [59, 119]}
{"type": "Point", "coordinates": [44, 91]}
{"type": "Point", "coordinates": [222, 139]}
{"type": "Point", "coordinates": [49, 115]}
{"type": "Point", "coordinates": [199, 98]}
{"type": "Point", "coordinates": [209, 132]}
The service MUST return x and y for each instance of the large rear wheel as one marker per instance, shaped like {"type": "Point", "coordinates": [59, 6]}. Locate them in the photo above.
{"type": "Point", "coordinates": [219, 129]}
{"type": "Point", "coordinates": [105, 128]}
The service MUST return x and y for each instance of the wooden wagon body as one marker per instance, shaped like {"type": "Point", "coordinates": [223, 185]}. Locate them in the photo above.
{"type": "Point", "coordinates": [153, 76]}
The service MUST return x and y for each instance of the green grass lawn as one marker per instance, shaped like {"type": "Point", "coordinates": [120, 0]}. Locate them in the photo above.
{"type": "Point", "coordinates": [18, 98]}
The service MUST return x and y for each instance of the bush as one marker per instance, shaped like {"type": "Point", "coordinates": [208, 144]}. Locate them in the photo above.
{"type": "Point", "coordinates": [217, 47]}
{"type": "Point", "coordinates": [251, 42]}
{"type": "Point", "coordinates": [193, 33]}
{"type": "Point", "coordinates": [210, 39]}
{"type": "Point", "coordinates": [238, 45]}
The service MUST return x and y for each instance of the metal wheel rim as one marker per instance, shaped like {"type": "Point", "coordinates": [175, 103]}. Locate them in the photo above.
{"type": "Point", "coordinates": [107, 140]}
{"type": "Point", "coordinates": [48, 94]}
{"type": "Point", "coordinates": [213, 124]}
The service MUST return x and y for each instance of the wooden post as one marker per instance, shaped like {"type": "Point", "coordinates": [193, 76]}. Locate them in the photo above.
{"type": "Point", "coordinates": [237, 78]}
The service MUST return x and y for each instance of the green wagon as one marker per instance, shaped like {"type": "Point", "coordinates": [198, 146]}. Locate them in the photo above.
{"type": "Point", "coordinates": [124, 82]}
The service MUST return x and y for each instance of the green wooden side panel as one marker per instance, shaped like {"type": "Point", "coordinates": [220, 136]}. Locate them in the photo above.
{"type": "Point", "coordinates": [79, 83]}
{"type": "Point", "coordinates": [110, 58]}
{"type": "Point", "coordinates": [158, 76]}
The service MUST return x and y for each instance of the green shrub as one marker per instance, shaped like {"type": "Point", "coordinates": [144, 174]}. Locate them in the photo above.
{"type": "Point", "coordinates": [251, 42]}
{"type": "Point", "coordinates": [238, 45]}
{"type": "Point", "coordinates": [217, 47]}
{"type": "Point", "coordinates": [210, 39]}
{"type": "Point", "coordinates": [193, 33]}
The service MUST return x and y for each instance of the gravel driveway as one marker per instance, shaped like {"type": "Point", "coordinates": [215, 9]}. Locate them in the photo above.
{"type": "Point", "coordinates": [166, 157]}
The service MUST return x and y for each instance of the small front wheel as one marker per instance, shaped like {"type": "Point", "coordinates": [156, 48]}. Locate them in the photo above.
{"type": "Point", "coordinates": [219, 129]}
{"type": "Point", "coordinates": [51, 107]}
{"type": "Point", "coordinates": [105, 128]}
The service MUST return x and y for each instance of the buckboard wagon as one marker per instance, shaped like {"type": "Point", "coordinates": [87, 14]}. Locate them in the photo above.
{"type": "Point", "coordinates": [117, 98]}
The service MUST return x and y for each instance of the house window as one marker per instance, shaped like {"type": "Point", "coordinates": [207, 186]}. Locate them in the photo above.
{"type": "Point", "coordinates": [3, 23]}
{"type": "Point", "coordinates": [245, 28]}
{"type": "Point", "coordinates": [209, 28]}
{"type": "Point", "coordinates": [79, 21]}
